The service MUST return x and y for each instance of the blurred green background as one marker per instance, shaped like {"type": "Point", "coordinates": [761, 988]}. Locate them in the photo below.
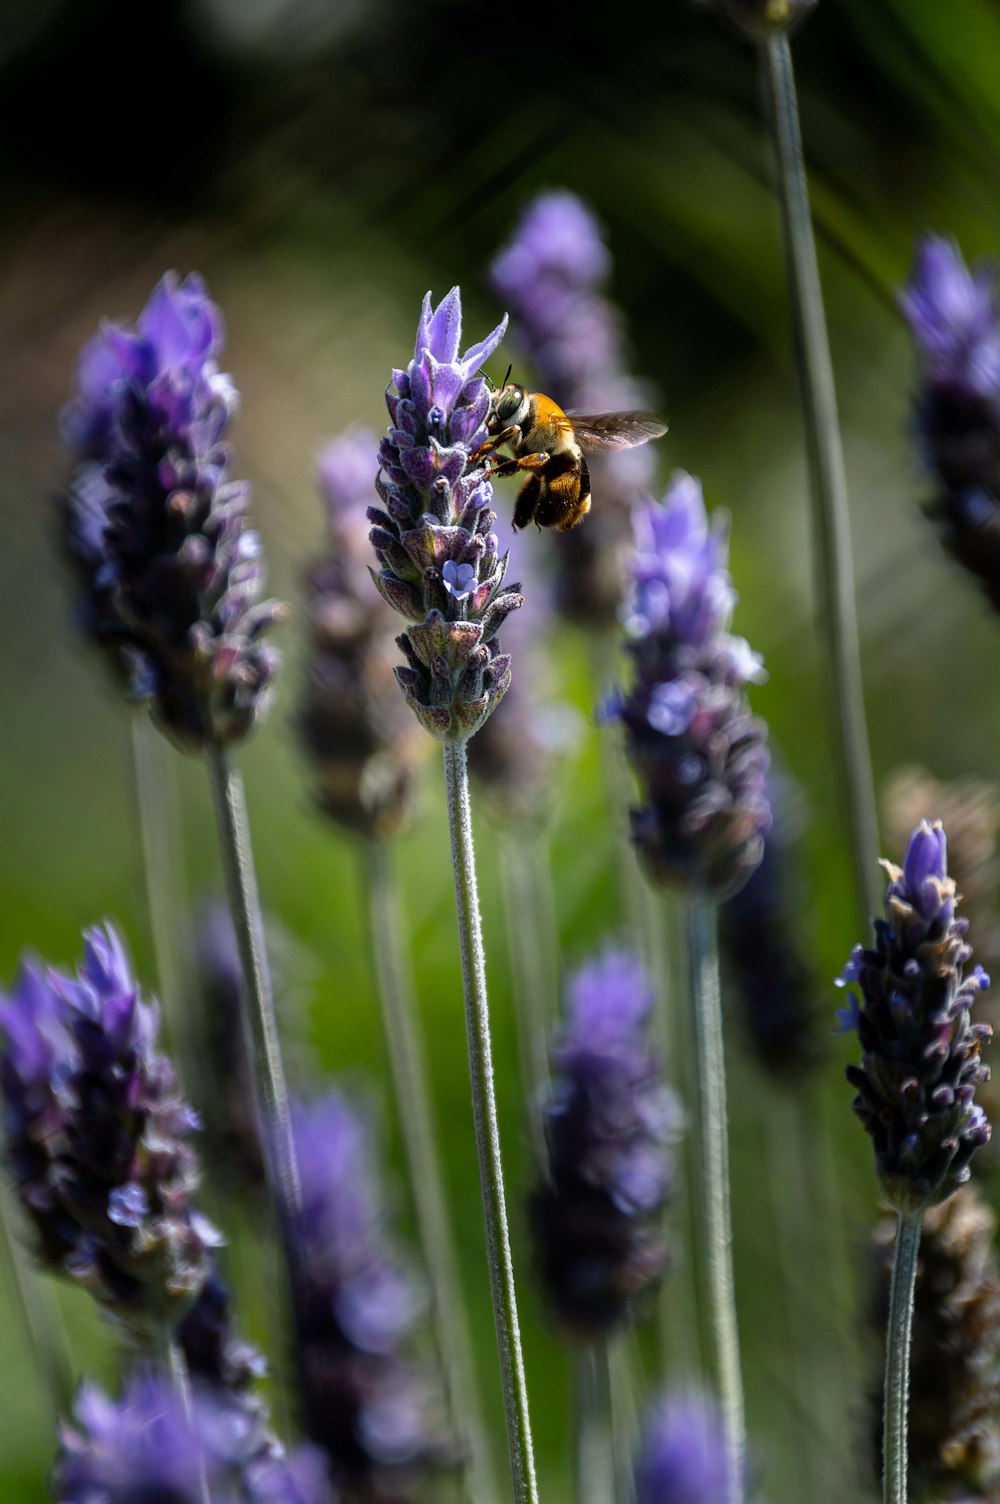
{"type": "Point", "coordinates": [322, 164]}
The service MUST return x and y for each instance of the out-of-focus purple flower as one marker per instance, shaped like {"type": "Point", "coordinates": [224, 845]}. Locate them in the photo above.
{"type": "Point", "coordinates": [148, 1446]}
{"type": "Point", "coordinates": [921, 1053]}
{"type": "Point", "coordinates": [97, 1136]}
{"type": "Point", "coordinates": [169, 570]}
{"type": "Point", "coordinates": [437, 496]}
{"type": "Point", "coordinates": [216, 1356]}
{"type": "Point", "coordinates": [610, 1125]}
{"type": "Point", "coordinates": [361, 743]}
{"type": "Point", "coordinates": [700, 756]}
{"type": "Point", "coordinates": [683, 1459]}
{"type": "Point", "coordinates": [552, 276]}
{"type": "Point", "coordinates": [954, 316]}
{"type": "Point", "coordinates": [355, 1309]}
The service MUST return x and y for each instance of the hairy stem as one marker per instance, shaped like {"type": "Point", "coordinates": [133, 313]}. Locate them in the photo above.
{"type": "Point", "coordinates": [713, 1176]}
{"type": "Point", "coordinates": [831, 518]}
{"type": "Point", "coordinates": [259, 1023]}
{"type": "Point", "coordinates": [413, 1102]}
{"type": "Point", "coordinates": [477, 1022]}
{"type": "Point", "coordinates": [897, 1359]}
{"type": "Point", "coordinates": [43, 1326]}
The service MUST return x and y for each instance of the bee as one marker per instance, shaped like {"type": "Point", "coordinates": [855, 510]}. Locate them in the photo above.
{"type": "Point", "coordinates": [549, 446]}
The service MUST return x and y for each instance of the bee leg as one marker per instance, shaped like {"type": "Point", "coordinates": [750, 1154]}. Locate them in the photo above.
{"type": "Point", "coordinates": [530, 462]}
{"type": "Point", "coordinates": [527, 500]}
{"type": "Point", "coordinates": [511, 435]}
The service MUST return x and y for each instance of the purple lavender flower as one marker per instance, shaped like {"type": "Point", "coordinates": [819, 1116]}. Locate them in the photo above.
{"type": "Point", "coordinates": [699, 755]}
{"type": "Point", "coordinates": [954, 316]}
{"type": "Point", "coordinates": [921, 1053]}
{"type": "Point", "coordinates": [610, 1125]}
{"type": "Point", "coordinates": [97, 1136]}
{"type": "Point", "coordinates": [355, 1309]}
{"type": "Point", "coordinates": [148, 1446]}
{"type": "Point", "coordinates": [684, 1456]}
{"type": "Point", "coordinates": [439, 557]}
{"type": "Point", "coordinates": [168, 568]}
{"type": "Point", "coordinates": [357, 735]}
{"type": "Point", "coordinates": [215, 1355]}
{"type": "Point", "coordinates": [552, 276]}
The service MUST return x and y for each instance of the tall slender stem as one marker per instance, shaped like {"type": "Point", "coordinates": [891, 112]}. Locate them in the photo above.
{"type": "Point", "coordinates": [42, 1321]}
{"type": "Point", "coordinates": [594, 1455]}
{"type": "Point", "coordinates": [413, 1100]}
{"type": "Point", "coordinates": [477, 1023]}
{"type": "Point", "coordinates": [259, 1023]}
{"type": "Point", "coordinates": [897, 1359]}
{"type": "Point", "coordinates": [828, 482]}
{"type": "Point", "coordinates": [713, 1155]}
{"type": "Point", "coordinates": [168, 1350]}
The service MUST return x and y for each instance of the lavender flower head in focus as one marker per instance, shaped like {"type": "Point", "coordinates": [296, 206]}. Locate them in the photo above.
{"type": "Point", "coordinates": [355, 1310]}
{"type": "Point", "coordinates": [684, 1455]}
{"type": "Point", "coordinates": [360, 741]}
{"type": "Point", "coordinates": [168, 569]}
{"type": "Point", "coordinates": [699, 755]}
{"type": "Point", "coordinates": [439, 558]}
{"type": "Point", "coordinates": [920, 1050]}
{"type": "Point", "coordinates": [97, 1137]}
{"type": "Point", "coordinates": [610, 1125]}
{"type": "Point", "coordinates": [954, 317]}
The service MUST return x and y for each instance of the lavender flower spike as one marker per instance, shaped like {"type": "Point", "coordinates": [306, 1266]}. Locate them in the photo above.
{"type": "Point", "coordinates": [921, 1053]}
{"type": "Point", "coordinates": [97, 1137]}
{"type": "Point", "coordinates": [610, 1125]}
{"type": "Point", "coordinates": [700, 756]}
{"type": "Point", "coordinates": [439, 559]}
{"type": "Point", "coordinates": [170, 571]}
{"type": "Point", "coordinates": [683, 1459]}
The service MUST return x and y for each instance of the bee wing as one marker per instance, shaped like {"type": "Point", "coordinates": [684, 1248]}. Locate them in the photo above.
{"type": "Point", "coordinates": [604, 431]}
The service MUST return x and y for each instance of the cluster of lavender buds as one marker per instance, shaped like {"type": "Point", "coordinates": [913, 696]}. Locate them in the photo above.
{"type": "Point", "coordinates": [151, 1445]}
{"type": "Point", "coordinates": [356, 734]}
{"type": "Point", "coordinates": [363, 1404]}
{"type": "Point", "coordinates": [920, 1050]}
{"type": "Point", "coordinates": [763, 949]}
{"type": "Point", "coordinates": [610, 1124]}
{"type": "Point", "coordinates": [954, 317]}
{"type": "Point", "coordinates": [169, 571]}
{"type": "Point", "coordinates": [700, 756]}
{"type": "Point", "coordinates": [439, 559]}
{"type": "Point", "coordinates": [552, 276]}
{"type": "Point", "coordinates": [761, 18]}
{"type": "Point", "coordinates": [684, 1456]}
{"type": "Point", "coordinates": [97, 1137]}
{"type": "Point", "coordinates": [214, 1354]}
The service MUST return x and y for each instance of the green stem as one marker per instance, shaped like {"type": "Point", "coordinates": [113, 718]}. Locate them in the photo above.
{"type": "Point", "coordinates": [594, 1455]}
{"type": "Point", "coordinates": [531, 943]}
{"type": "Point", "coordinates": [897, 1359]}
{"type": "Point", "coordinates": [828, 482]}
{"type": "Point", "coordinates": [713, 1155]}
{"type": "Point", "coordinates": [259, 1023]}
{"type": "Point", "coordinates": [477, 1022]}
{"type": "Point", "coordinates": [413, 1101]}
{"type": "Point", "coordinates": [42, 1321]}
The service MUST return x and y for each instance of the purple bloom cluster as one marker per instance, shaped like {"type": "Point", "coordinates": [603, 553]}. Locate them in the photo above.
{"type": "Point", "coordinates": [439, 558]}
{"type": "Point", "coordinates": [684, 1458]}
{"type": "Point", "coordinates": [552, 276]}
{"type": "Point", "coordinates": [356, 733]}
{"type": "Point", "coordinates": [97, 1137]}
{"type": "Point", "coordinates": [700, 756]}
{"type": "Point", "coordinates": [954, 316]}
{"type": "Point", "coordinates": [215, 1355]}
{"type": "Point", "coordinates": [355, 1309]}
{"type": "Point", "coordinates": [169, 570]}
{"type": "Point", "coordinates": [921, 1053]}
{"type": "Point", "coordinates": [610, 1125]}
{"type": "Point", "coordinates": [148, 1446]}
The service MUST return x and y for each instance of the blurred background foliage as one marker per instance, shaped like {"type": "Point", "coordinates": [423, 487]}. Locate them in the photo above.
{"type": "Point", "coordinates": [322, 164]}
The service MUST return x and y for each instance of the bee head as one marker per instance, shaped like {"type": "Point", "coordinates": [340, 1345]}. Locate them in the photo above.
{"type": "Point", "coordinates": [509, 405]}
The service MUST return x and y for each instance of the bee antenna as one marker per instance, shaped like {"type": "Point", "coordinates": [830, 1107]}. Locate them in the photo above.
{"type": "Point", "coordinates": [489, 382]}
{"type": "Point", "coordinates": [507, 377]}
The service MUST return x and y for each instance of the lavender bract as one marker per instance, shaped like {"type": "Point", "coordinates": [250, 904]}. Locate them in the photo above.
{"type": "Point", "coordinates": [954, 317]}
{"type": "Point", "coordinates": [355, 1309]}
{"type": "Point", "coordinates": [439, 558]}
{"type": "Point", "coordinates": [168, 568]}
{"type": "Point", "coordinates": [552, 275]}
{"type": "Point", "coordinates": [97, 1137]}
{"type": "Point", "coordinates": [921, 1052]}
{"type": "Point", "coordinates": [700, 756]}
{"type": "Point", "coordinates": [684, 1458]}
{"type": "Point", "coordinates": [610, 1125]}
{"type": "Point", "coordinates": [359, 740]}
